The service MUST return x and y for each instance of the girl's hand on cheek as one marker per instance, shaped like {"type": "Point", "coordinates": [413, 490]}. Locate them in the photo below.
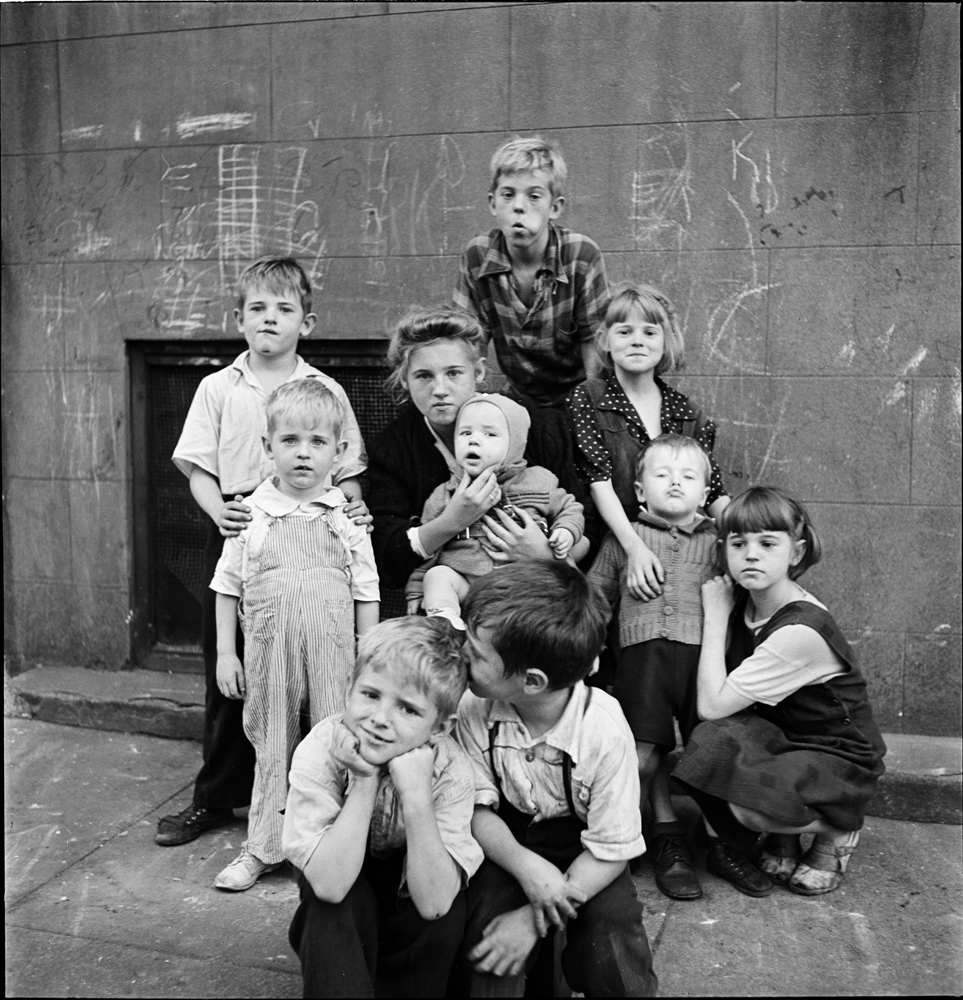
{"type": "Point", "coordinates": [718, 597]}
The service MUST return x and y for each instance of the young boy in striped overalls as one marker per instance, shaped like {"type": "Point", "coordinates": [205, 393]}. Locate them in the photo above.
{"type": "Point", "coordinates": [305, 578]}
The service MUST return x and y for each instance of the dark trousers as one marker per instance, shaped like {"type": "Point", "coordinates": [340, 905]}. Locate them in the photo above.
{"type": "Point", "coordinates": [374, 943]}
{"type": "Point", "coordinates": [606, 952]}
{"type": "Point", "coordinates": [226, 777]}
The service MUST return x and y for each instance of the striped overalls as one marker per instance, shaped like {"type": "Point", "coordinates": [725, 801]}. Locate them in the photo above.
{"type": "Point", "coordinates": [298, 620]}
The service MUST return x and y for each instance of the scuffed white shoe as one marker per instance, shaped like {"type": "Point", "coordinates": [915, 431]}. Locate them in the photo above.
{"type": "Point", "coordinates": [243, 872]}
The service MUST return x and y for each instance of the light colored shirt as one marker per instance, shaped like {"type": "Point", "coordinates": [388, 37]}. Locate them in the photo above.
{"type": "Point", "coordinates": [226, 421]}
{"type": "Point", "coordinates": [794, 656]}
{"type": "Point", "coordinates": [605, 769]}
{"type": "Point", "coordinates": [319, 788]}
{"type": "Point", "coordinates": [267, 503]}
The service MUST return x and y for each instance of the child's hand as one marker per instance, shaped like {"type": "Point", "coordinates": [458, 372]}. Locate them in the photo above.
{"type": "Point", "coordinates": [506, 943]}
{"type": "Point", "coordinates": [644, 573]}
{"type": "Point", "coordinates": [413, 603]}
{"type": "Point", "coordinates": [233, 517]}
{"type": "Point", "coordinates": [357, 510]}
{"type": "Point", "coordinates": [553, 897]}
{"type": "Point", "coordinates": [411, 773]}
{"type": "Point", "coordinates": [345, 749]}
{"type": "Point", "coordinates": [561, 540]}
{"type": "Point", "coordinates": [718, 597]}
{"type": "Point", "coordinates": [230, 676]}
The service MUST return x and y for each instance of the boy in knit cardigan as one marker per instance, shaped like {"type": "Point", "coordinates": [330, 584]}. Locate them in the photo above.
{"type": "Point", "coordinates": [660, 640]}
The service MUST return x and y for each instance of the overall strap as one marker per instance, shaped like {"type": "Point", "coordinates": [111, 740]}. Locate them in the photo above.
{"type": "Point", "coordinates": [814, 617]}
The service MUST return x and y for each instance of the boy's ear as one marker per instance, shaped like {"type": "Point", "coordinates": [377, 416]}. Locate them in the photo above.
{"type": "Point", "coordinates": [705, 496]}
{"type": "Point", "coordinates": [340, 449]}
{"type": "Point", "coordinates": [308, 324]}
{"type": "Point", "coordinates": [557, 205]}
{"type": "Point", "coordinates": [267, 444]}
{"type": "Point", "coordinates": [237, 319]}
{"type": "Point", "coordinates": [491, 203]}
{"type": "Point", "coordinates": [536, 681]}
{"type": "Point", "coordinates": [640, 493]}
{"type": "Point", "coordinates": [442, 728]}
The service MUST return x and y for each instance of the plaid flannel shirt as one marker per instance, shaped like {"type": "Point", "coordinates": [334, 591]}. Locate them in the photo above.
{"type": "Point", "coordinates": [538, 347]}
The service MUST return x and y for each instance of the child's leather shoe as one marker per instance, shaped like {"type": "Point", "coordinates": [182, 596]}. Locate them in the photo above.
{"type": "Point", "coordinates": [189, 824]}
{"type": "Point", "coordinates": [675, 874]}
{"type": "Point", "coordinates": [243, 872]}
{"type": "Point", "coordinates": [729, 863]}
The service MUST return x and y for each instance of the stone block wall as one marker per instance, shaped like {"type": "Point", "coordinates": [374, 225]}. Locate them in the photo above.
{"type": "Point", "coordinates": [789, 173]}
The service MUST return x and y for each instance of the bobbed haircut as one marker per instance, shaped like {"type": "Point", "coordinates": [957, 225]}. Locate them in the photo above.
{"type": "Point", "coordinates": [676, 443]}
{"type": "Point", "coordinates": [278, 275]}
{"type": "Point", "coordinates": [532, 153]}
{"type": "Point", "coordinates": [307, 400]}
{"type": "Point", "coordinates": [425, 325]}
{"type": "Point", "coordinates": [653, 307]}
{"type": "Point", "coordinates": [543, 615]}
{"type": "Point", "coordinates": [766, 508]}
{"type": "Point", "coordinates": [423, 652]}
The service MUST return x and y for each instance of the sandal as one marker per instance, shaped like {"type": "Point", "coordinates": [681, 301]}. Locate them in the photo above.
{"type": "Point", "coordinates": [778, 856]}
{"type": "Point", "coordinates": [822, 867]}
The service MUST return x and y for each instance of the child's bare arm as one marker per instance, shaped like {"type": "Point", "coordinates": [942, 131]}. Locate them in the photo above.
{"type": "Point", "coordinates": [231, 517]}
{"type": "Point", "coordinates": [433, 877]}
{"type": "Point", "coordinates": [334, 866]}
{"type": "Point", "coordinates": [365, 615]}
{"type": "Point", "coordinates": [645, 573]}
{"type": "Point", "coordinates": [230, 670]}
{"type": "Point", "coordinates": [592, 875]}
{"type": "Point", "coordinates": [551, 894]}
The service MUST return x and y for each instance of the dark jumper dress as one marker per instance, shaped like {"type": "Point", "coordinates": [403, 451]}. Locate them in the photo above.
{"type": "Point", "coordinates": [818, 754]}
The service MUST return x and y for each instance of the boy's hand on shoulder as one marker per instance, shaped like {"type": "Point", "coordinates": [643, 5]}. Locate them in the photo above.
{"type": "Point", "coordinates": [411, 772]}
{"type": "Point", "coordinates": [506, 943]}
{"type": "Point", "coordinates": [358, 511]}
{"type": "Point", "coordinates": [553, 897]}
{"type": "Point", "coordinates": [234, 517]}
{"type": "Point", "coordinates": [345, 749]}
{"type": "Point", "coordinates": [230, 676]}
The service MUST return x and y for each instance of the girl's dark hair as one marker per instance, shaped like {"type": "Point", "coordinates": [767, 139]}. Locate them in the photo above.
{"type": "Point", "coordinates": [766, 508]}
{"type": "Point", "coordinates": [421, 326]}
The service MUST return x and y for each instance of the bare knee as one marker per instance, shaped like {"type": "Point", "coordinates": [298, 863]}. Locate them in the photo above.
{"type": "Point", "coordinates": [650, 757]}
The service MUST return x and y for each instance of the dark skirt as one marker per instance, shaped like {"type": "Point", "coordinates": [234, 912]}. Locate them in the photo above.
{"type": "Point", "coordinates": [747, 760]}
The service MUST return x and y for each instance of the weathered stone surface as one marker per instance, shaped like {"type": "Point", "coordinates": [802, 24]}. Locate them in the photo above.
{"type": "Point", "coordinates": [30, 108]}
{"type": "Point", "coordinates": [934, 686]}
{"type": "Point", "coordinates": [936, 441]}
{"type": "Point", "coordinates": [939, 209]}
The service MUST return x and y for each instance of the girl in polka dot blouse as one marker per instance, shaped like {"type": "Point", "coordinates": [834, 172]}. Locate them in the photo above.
{"type": "Point", "coordinates": [613, 417]}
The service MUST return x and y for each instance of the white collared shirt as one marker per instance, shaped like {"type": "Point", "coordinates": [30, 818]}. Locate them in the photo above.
{"type": "Point", "coordinates": [226, 421]}
{"type": "Point", "coordinates": [267, 502]}
{"type": "Point", "coordinates": [605, 769]}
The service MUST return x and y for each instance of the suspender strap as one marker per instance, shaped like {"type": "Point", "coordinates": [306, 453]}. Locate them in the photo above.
{"type": "Point", "coordinates": [566, 761]}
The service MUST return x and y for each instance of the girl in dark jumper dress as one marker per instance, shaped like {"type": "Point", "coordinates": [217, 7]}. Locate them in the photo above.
{"type": "Point", "coordinates": [789, 745]}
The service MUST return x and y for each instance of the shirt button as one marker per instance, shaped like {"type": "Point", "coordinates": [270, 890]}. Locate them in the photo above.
{"type": "Point", "coordinates": [669, 611]}
{"type": "Point", "coordinates": [847, 721]}
{"type": "Point", "coordinates": [530, 756]}
{"type": "Point", "coordinates": [665, 633]}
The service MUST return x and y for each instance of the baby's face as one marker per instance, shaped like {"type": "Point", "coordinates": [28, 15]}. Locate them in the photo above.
{"type": "Point", "coordinates": [389, 716]}
{"type": "Point", "coordinates": [481, 437]}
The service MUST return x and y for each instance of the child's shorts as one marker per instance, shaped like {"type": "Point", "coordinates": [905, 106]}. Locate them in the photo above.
{"type": "Point", "coordinates": [656, 682]}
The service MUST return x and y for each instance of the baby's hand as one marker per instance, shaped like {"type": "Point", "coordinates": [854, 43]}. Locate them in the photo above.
{"type": "Point", "coordinates": [233, 517]}
{"type": "Point", "coordinates": [411, 772]}
{"type": "Point", "coordinates": [357, 510]}
{"type": "Point", "coordinates": [561, 540]}
{"type": "Point", "coordinates": [230, 676]}
{"type": "Point", "coordinates": [345, 749]}
{"type": "Point", "coordinates": [506, 943]}
{"type": "Point", "coordinates": [413, 603]}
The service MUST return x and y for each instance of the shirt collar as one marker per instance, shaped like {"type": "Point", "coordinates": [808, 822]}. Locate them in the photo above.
{"type": "Point", "coordinates": [565, 735]}
{"type": "Point", "coordinates": [701, 523]}
{"type": "Point", "coordinates": [616, 399]}
{"type": "Point", "coordinates": [277, 504]}
{"type": "Point", "coordinates": [449, 458]}
{"type": "Point", "coordinates": [242, 365]}
{"type": "Point", "coordinates": [497, 260]}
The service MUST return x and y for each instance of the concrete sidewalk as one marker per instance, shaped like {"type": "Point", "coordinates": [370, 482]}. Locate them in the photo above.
{"type": "Point", "coordinates": [95, 908]}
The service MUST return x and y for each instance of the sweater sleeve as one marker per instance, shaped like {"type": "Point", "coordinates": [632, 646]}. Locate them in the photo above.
{"type": "Point", "coordinates": [564, 511]}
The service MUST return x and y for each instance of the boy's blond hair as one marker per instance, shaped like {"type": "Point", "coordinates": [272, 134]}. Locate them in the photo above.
{"type": "Point", "coordinates": [532, 153]}
{"type": "Point", "coordinates": [424, 652]}
{"type": "Point", "coordinates": [308, 400]}
{"type": "Point", "coordinates": [675, 443]}
{"type": "Point", "coordinates": [278, 275]}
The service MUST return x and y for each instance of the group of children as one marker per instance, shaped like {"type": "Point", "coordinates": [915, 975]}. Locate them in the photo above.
{"type": "Point", "coordinates": [442, 835]}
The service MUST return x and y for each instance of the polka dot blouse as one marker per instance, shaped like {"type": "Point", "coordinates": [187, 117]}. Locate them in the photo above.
{"type": "Point", "coordinates": [592, 457]}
